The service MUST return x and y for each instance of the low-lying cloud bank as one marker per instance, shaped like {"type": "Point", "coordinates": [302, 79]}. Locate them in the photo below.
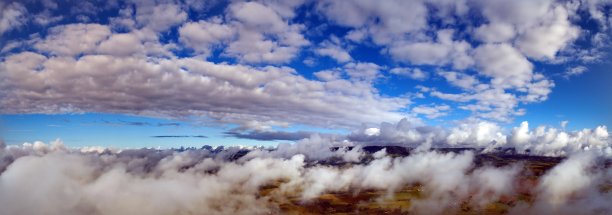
{"type": "Point", "coordinates": [543, 140]}
{"type": "Point", "coordinates": [53, 179]}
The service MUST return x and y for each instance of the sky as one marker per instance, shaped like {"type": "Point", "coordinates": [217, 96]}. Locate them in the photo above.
{"type": "Point", "coordinates": [167, 74]}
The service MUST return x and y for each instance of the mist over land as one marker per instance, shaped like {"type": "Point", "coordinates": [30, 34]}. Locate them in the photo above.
{"type": "Point", "coordinates": [314, 175]}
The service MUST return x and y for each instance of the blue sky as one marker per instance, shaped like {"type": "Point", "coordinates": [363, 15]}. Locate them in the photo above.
{"type": "Point", "coordinates": [189, 73]}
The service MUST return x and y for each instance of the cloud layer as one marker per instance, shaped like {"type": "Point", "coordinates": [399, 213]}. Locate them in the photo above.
{"type": "Point", "coordinates": [104, 181]}
{"type": "Point", "coordinates": [543, 140]}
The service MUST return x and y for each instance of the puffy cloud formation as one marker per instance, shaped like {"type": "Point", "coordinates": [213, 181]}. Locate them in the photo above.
{"type": "Point", "coordinates": [255, 23]}
{"type": "Point", "coordinates": [543, 140]}
{"type": "Point", "coordinates": [13, 16]}
{"type": "Point", "coordinates": [334, 50]}
{"type": "Point", "coordinates": [94, 181]}
{"type": "Point", "coordinates": [513, 35]}
{"type": "Point", "coordinates": [441, 52]}
{"type": "Point", "coordinates": [34, 83]}
{"type": "Point", "coordinates": [551, 141]}
{"type": "Point", "coordinates": [416, 73]}
{"type": "Point", "coordinates": [128, 56]}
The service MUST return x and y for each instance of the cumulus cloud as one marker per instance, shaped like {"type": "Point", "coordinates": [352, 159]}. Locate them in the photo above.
{"type": "Point", "coordinates": [203, 34]}
{"type": "Point", "coordinates": [550, 141]}
{"type": "Point", "coordinates": [491, 61]}
{"type": "Point", "coordinates": [495, 33]}
{"type": "Point", "coordinates": [441, 52]}
{"type": "Point", "coordinates": [462, 80]}
{"type": "Point", "coordinates": [413, 73]}
{"type": "Point", "coordinates": [334, 50]}
{"type": "Point", "coordinates": [543, 140]}
{"type": "Point", "coordinates": [255, 23]}
{"type": "Point", "coordinates": [481, 134]}
{"type": "Point", "coordinates": [159, 17]}
{"type": "Point", "coordinates": [74, 39]}
{"type": "Point", "coordinates": [506, 65]}
{"type": "Point", "coordinates": [228, 93]}
{"type": "Point", "coordinates": [558, 30]}
{"type": "Point", "coordinates": [13, 16]}
{"type": "Point", "coordinates": [511, 82]}
{"type": "Point", "coordinates": [121, 45]}
{"type": "Point", "coordinates": [431, 111]}
{"type": "Point", "coordinates": [362, 71]}
{"type": "Point", "coordinates": [382, 23]}
{"type": "Point", "coordinates": [488, 103]}
{"type": "Point", "coordinates": [514, 35]}
{"type": "Point", "coordinates": [404, 133]}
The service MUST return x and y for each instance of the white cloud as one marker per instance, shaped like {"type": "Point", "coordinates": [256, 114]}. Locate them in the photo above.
{"type": "Point", "coordinates": [372, 131]}
{"type": "Point", "coordinates": [73, 39]}
{"type": "Point", "coordinates": [92, 179]}
{"type": "Point", "coordinates": [541, 28]}
{"type": "Point", "coordinates": [511, 80]}
{"type": "Point", "coordinates": [494, 76]}
{"type": "Point", "coordinates": [175, 88]}
{"type": "Point", "coordinates": [461, 80]}
{"type": "Point", "coordinates": [520, 13]}
{"type": "Point", "coordinates": [513, 33]}
{"type": "Point", "coordinates": [567, 179]}
{"type": "Point", "coordinates": [563, 124]}
{"type": "Point", "coordinates": [46, 18]}
{"type": "Point", "coordinates": [202, 35]}
{"type": "Point", "coordinates": [333, 50]}
{"type": "Point", "coordinates": [495, 32]}
{"type": "Point", "coordinates": [12, 15]}
{"type": "Point", "coordinates": [538, 89]}
{"type": "Point", "coordinates": [255, 24]}
{"type": "Point", "coordinates": [553, 33]}
{"type": "Point", "coordinates": [356, 35]}
{"type": "Point", "coordinates": [121, 45]}
{"type": "Point", "coordinates": [362, 71]}
{"type": "Point", "coordinates": [552, 142]}
{"type": "Point", "coordinates": [542, 140]}
{"type": "Point", "coordinates": [383, 21]}
{"type": "Point", "coordinates": [328, 75]}
{"type": "Point", "coordinates": [488, 103]}
{"type": "Point", "coordinates": [574, 71]}
{"type": "Point", "coordinates": [413, 73]}
{"type": "Point", "coordinates": [504, 64]}
{"type": "Point", "coordinates": [481, 134]}
{"type": "Point", "coordinates": [443, 51]}
{"type": "Point", "coordinates": [159, 17]}
{"type": "Point", "coordinates": [597, 10]}
{"type": "Point", "coordinates": [285, 8]}
{"type": "Point", "coordinates": [406, 132]}
{"type": "Point", "coordinates": [431, 111]}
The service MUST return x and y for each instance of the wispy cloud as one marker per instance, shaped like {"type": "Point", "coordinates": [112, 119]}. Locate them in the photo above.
{"type": "Point", "coordinates": [180, 136]}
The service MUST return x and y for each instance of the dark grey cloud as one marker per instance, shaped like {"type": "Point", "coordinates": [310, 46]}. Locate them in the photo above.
{"type": "Point", "coordinates": [140, 123]}
{"type": "Point", "coordinates": [179, 136]}
{"type": "Point", "coordinates": [270, 135]}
